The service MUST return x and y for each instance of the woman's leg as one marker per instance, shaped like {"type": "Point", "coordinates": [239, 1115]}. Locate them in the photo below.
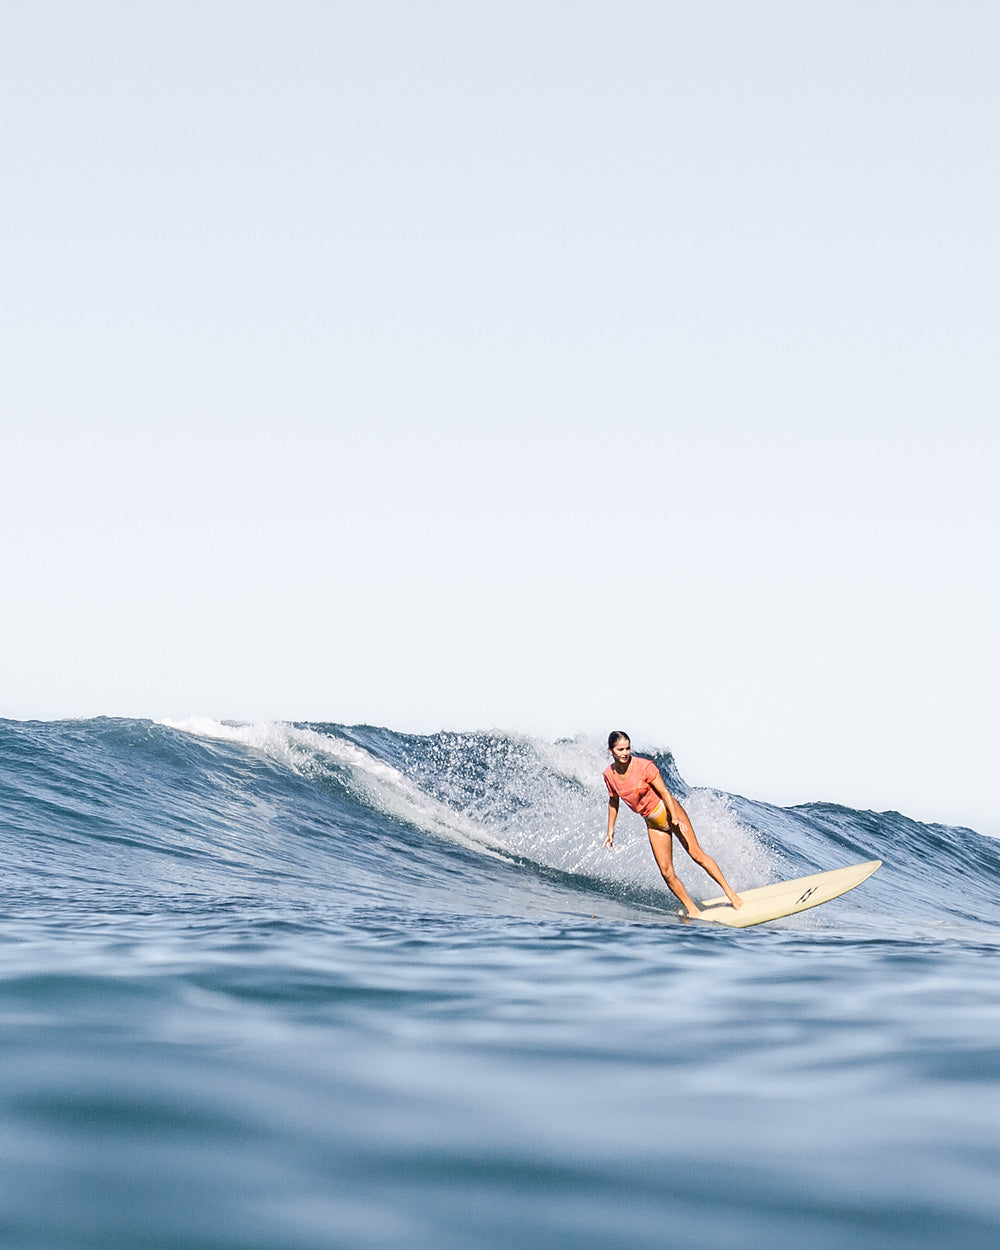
{"type": "Point", "coordinates": [663, 852]}
{"type": "Point", "coordinates": [693, 847]}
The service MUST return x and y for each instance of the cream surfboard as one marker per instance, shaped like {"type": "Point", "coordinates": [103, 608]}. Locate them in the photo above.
{"type": "Point", "coordinates": [785, 898]}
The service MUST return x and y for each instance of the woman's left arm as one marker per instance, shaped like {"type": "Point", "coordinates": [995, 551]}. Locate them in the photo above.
{"type": "Point", "coordinates": [676, 815]}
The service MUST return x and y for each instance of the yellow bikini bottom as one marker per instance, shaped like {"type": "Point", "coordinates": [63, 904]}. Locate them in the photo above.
{"type": "Point", "coordinates": [657, 818]}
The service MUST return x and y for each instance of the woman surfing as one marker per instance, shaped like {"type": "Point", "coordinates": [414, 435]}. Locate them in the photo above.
{"type": "Point", "coordinates": [639, 783]}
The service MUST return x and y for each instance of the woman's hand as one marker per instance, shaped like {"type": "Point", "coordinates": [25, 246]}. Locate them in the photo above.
{"type": "Point", "coordinates": [609, 841]}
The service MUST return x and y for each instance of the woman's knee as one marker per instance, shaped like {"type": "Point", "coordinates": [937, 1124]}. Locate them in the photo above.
{"type": "Point", "coordinates": [693, 848]}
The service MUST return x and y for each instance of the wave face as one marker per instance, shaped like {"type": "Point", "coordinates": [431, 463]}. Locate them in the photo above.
{"type": "Point", "coordinates": [315, 985]}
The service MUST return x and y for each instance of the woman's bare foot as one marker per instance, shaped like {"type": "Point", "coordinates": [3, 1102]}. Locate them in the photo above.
{"type": "Point", "coordinates": [735, 899]}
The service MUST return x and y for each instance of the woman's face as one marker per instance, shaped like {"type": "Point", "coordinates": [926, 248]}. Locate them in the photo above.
{"type": "Point", "coordinates": [621, 752]}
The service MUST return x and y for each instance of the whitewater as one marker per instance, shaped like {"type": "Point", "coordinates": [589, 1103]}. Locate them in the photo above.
{"type": "Point", "coordinates": [300, 986]}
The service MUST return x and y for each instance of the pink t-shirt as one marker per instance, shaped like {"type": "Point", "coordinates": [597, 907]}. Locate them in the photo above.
{"type": "Point", "coordinates": [634, 785]}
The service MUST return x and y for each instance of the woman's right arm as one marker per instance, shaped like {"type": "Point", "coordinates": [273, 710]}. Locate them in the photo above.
{"type": "Point", "coordinates": [612, 817]}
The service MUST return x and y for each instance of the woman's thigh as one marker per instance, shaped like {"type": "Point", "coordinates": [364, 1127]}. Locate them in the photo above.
{"type": "Point", "coordinates": [662, 844]}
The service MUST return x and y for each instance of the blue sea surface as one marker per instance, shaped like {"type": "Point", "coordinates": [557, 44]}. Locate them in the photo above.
{"type": "Point", "coordinates": [299, 986]}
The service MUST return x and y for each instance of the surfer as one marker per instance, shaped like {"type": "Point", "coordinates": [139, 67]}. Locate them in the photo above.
{"type": "Point", "coordinates": [639, 783]}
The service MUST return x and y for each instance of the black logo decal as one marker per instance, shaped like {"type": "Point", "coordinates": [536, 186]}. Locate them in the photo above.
{"type": "Point", "coordinates": [812, 890]}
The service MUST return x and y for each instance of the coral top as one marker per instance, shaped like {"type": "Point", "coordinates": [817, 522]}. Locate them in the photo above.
{"type": "Point", "coordinates": [634, 785]}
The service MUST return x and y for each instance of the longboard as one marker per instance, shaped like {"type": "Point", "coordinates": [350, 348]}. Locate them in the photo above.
{"type": "Point", "coordinates": [785, 898]}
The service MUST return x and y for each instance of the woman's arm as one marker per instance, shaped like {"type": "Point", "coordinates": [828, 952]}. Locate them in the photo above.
{"type": "Point", "coordinates": [612, 817]}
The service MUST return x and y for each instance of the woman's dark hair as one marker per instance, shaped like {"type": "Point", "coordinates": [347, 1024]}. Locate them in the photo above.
{"type": "Point", "coordinates": [615, 736]}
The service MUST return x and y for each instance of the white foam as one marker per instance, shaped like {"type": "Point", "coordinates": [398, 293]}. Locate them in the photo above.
{"type": "Point", "coordinates": [379, 784]}
{"type": "Point", "coordinates": [744, 858]}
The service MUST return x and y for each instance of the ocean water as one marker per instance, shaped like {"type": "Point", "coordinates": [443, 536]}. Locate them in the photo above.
{"type": "Point", "coordinates": [275, 986]}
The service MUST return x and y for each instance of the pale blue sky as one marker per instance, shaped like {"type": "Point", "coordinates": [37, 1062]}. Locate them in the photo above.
{"type": "Point", "coordinates": [548, 366]}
